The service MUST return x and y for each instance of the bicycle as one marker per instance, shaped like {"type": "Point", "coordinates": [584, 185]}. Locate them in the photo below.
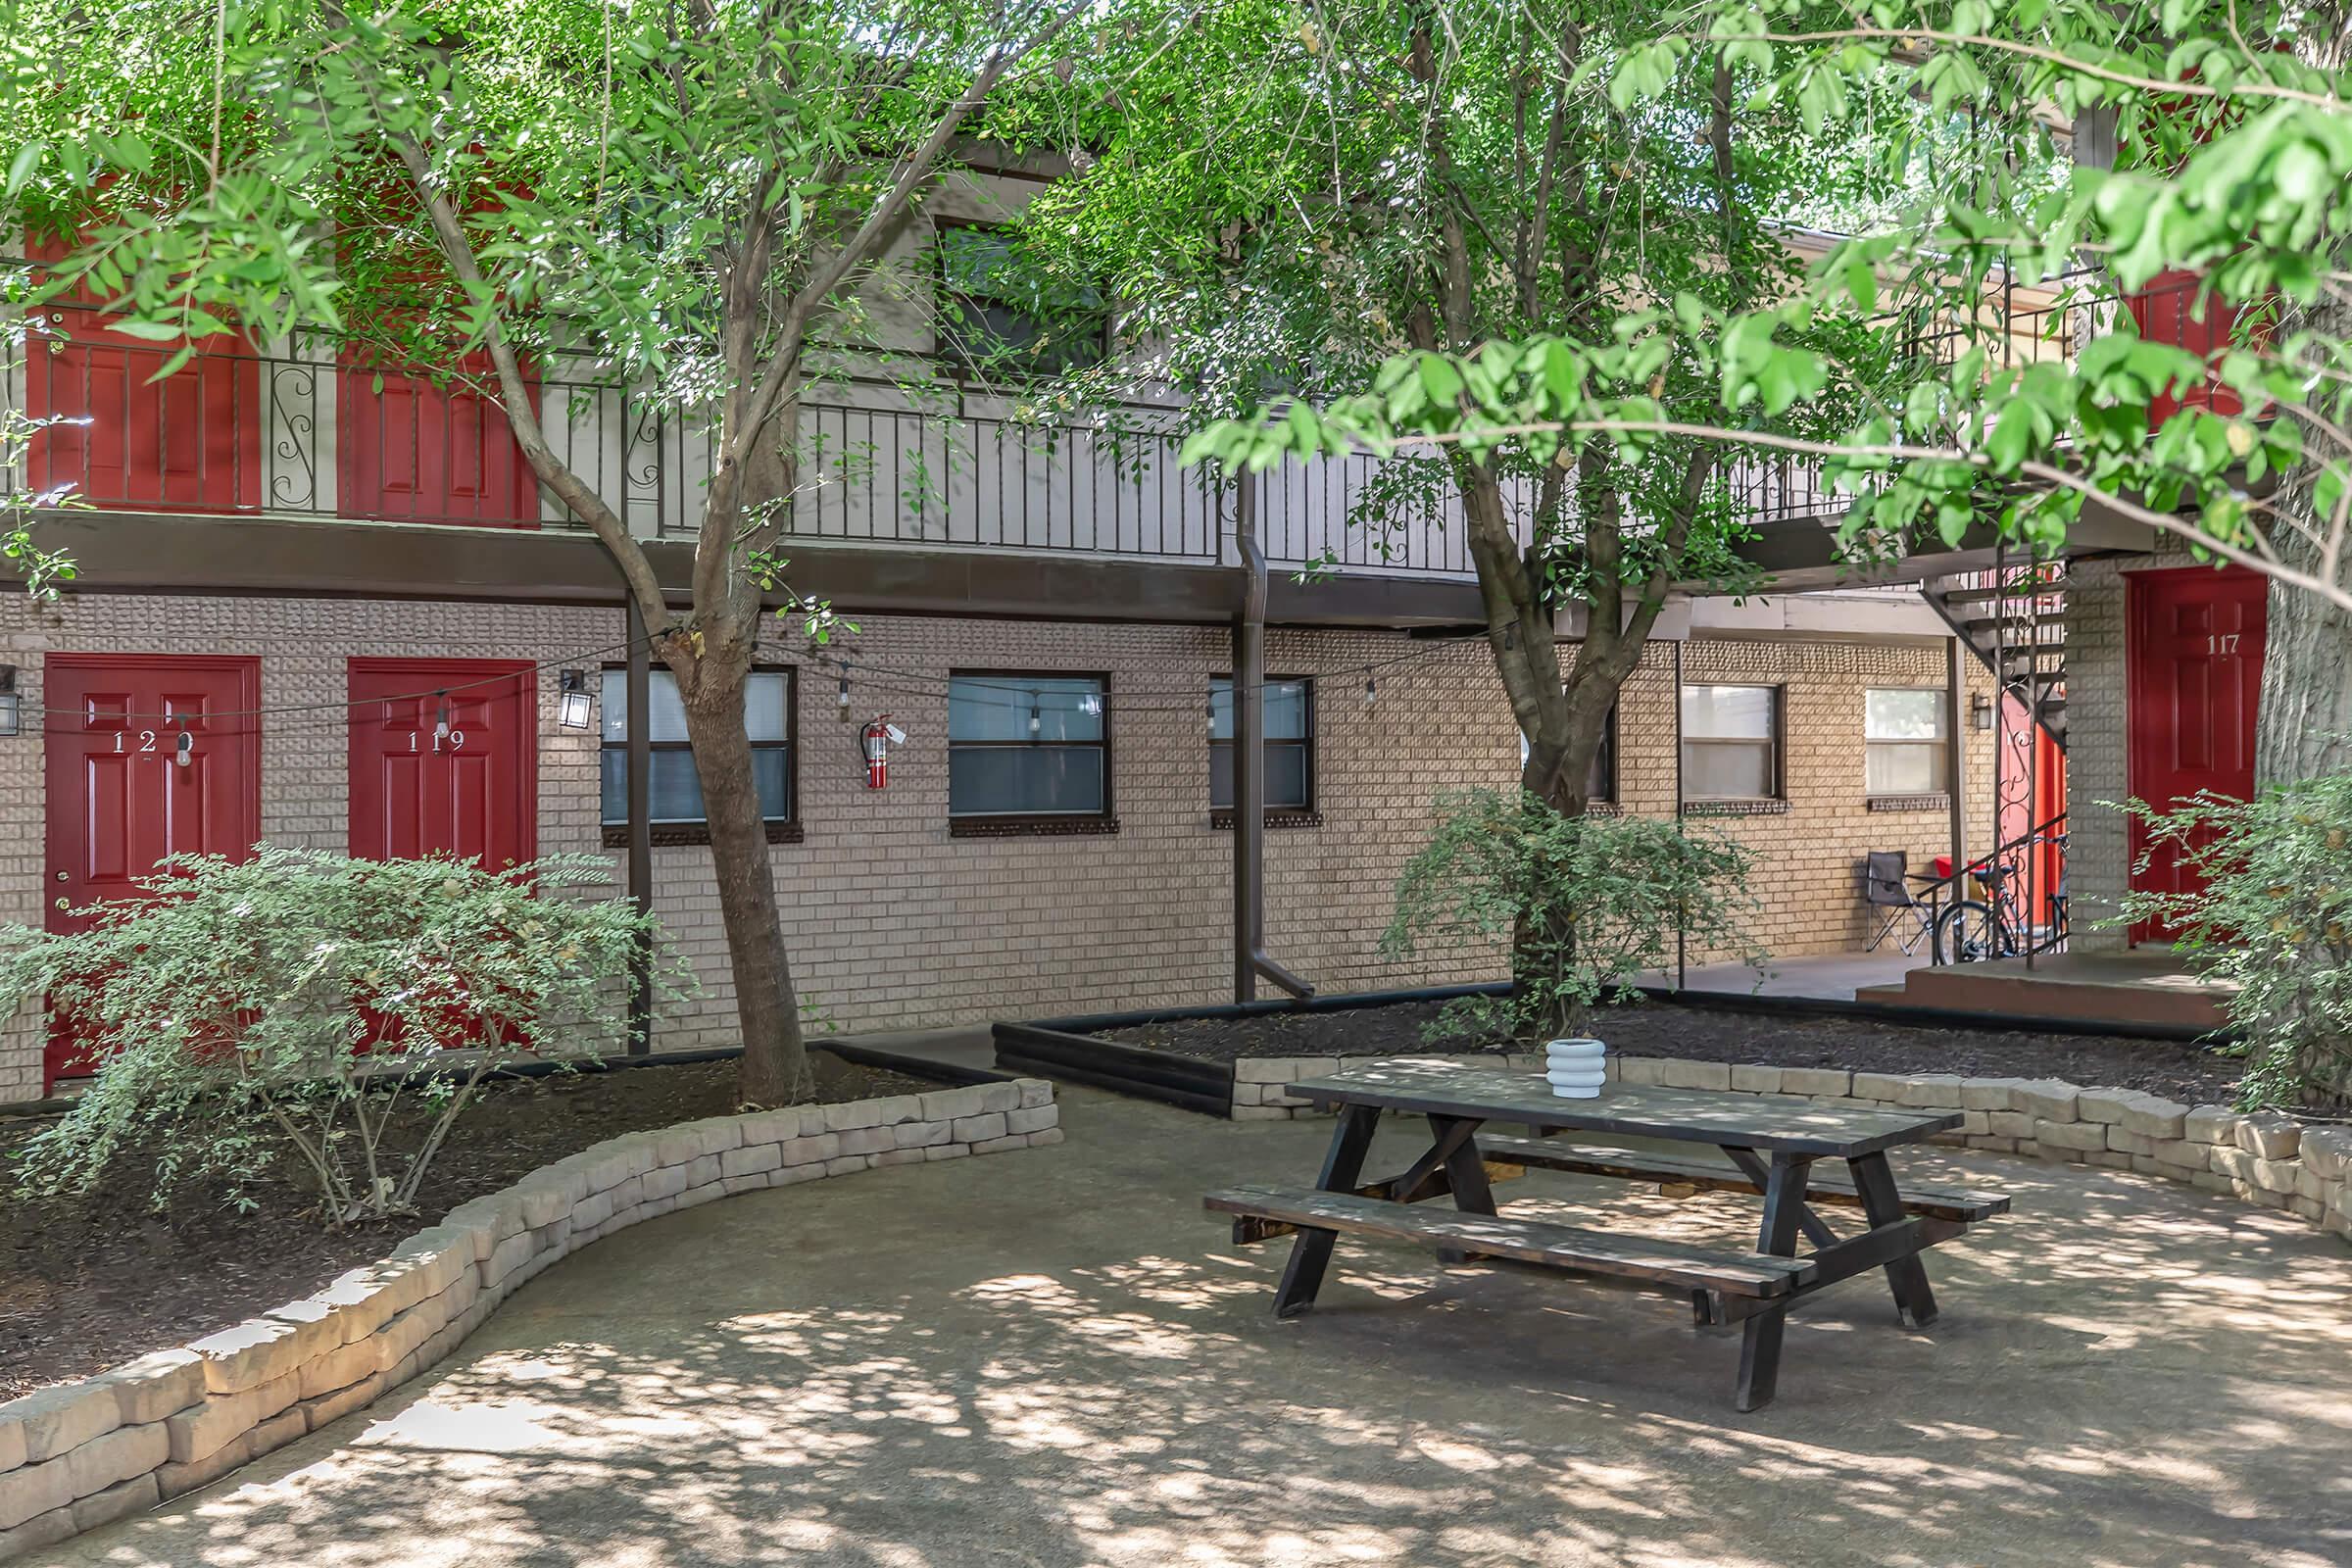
{"type": "Point", "coordinates": [1995, 926]}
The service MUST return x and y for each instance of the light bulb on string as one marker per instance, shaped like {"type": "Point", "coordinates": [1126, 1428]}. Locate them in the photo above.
{"type": "Point", "coordinates": [1370, 693]}
{"type": "Point", "coordinates": [441, 719]}
{"type": "Point", "coordinates": [1037, 723]}
{"type": "Point", "coordinates": [843, 700]}
{"type": "Point", "coordinates": [187, 749]}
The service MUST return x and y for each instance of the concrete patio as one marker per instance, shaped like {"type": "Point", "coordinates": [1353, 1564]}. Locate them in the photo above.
{"type": "Point", "coordinates": [1057, 1359]}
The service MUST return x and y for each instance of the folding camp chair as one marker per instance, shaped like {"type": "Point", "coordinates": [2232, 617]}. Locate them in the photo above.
{"type": "Point", "coordinates": [1886, 884]}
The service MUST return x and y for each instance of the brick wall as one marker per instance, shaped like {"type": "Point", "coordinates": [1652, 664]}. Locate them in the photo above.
{"type": "Point", "coordinates": [892, 922]}
{"type": "Point", "coordinates": [1807, 857]}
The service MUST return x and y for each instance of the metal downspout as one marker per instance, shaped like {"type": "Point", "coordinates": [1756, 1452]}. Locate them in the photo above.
{"type": "Point", "coordinates": [1249, 958]}
{"type": "Point", "coordinates": [639, 778]}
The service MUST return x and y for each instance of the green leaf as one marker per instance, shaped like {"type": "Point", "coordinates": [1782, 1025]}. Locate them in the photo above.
{"type": "Point", "coordinates": [21, 168]}
{"type": "Point", "coordinates": [145, 330]}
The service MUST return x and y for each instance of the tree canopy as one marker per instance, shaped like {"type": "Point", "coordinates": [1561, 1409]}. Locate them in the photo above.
{"type": "Point", "coordinates": [2167, 183]}
{"type": "Point", "coordinates": [1360, 208]}
{"type": "Point", "coordinates": [698, 202]}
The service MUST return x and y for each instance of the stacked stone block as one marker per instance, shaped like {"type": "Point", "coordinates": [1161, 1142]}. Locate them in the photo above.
{"type": "Point", "coordinates": [81, 1455]}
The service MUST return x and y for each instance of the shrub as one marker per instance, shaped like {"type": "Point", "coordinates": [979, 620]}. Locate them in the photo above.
{"type": "Point", "coordinates": [1588, 902]}
{"type": "Point", "coordinates": [337, 1010]}
{"type": "Point", "coordinates": [2274, 919]}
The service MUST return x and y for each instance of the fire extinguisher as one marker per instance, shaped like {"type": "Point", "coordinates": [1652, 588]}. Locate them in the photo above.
{"type": "Point", "coordinates": [876, 741]}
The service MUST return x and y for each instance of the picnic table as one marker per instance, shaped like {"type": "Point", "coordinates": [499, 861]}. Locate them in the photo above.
{"type": "Point", "coordinates": [1764, 1144]}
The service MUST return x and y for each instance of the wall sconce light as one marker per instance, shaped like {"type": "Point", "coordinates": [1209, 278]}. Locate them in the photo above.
{"type": "Point", "coordinates": [572, 702]}
{"type": "Point", "coordinates": [7, 699]}
{"type": "Point", "coordinates": [1980, 711]}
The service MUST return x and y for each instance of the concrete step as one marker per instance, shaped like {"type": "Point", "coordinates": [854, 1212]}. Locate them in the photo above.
{"type": "Point", "coordinates": [2142, 986]}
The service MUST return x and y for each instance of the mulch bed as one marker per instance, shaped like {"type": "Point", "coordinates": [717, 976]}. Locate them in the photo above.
{"type": "Point", "coordinates": [92, 1281]}
{"type": "Point", "coordinates": [2174, 1071]}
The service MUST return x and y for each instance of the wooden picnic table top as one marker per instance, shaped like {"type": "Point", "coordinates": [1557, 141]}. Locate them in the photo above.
{"type": "Point", "coordinates": [1781, 1122]}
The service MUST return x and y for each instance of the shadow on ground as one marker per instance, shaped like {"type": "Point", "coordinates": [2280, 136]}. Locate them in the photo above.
{"type": "Point", "coordinates": [1055, 1359]}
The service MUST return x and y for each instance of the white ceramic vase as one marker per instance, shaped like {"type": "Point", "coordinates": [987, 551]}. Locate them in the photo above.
{"type": "Point", "coordinates": [1576, 1069]}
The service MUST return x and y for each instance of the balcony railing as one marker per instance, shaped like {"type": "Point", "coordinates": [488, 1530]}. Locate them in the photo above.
{"type": "Point", "coordinates": [303, 430]}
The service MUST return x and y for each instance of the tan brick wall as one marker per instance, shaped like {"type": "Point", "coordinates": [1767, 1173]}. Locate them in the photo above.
{"type": "Point", "coordinates": [893, 922]}
{"type": "Point", "coordinates": [1808, 857]}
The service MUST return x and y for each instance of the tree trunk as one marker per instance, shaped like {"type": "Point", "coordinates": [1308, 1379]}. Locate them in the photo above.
{"type": "Point", "coordinates": [775, 1060]}
{"type": "Point", "coordinates": [2303, 721]}
{"type": "Point", "coordinates": [2303, 726]}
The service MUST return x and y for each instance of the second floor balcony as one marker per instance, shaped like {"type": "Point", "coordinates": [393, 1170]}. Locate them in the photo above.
{"type": "Point", "coordinates": [305, 432]}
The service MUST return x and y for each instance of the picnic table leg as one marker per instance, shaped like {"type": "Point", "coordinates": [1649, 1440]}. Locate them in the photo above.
{"type": "Point", "coordinates": [1311, 1254]}
{"type": "Point", "coordinates": [1465, 1172]}
{"type": "Point", "coordinates": [1760, 1339]}
{"type": "Point", "coordinates": [1907, 1276]}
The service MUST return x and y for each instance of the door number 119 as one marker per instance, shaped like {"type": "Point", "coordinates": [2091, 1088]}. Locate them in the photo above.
{"type": "Point", "coordinates": [454, 741]}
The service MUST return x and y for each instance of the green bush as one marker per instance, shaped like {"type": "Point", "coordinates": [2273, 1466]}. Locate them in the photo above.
{"type": "Point", "coordinates": [2274, 919]}
{"type": "Point", "coordinates": [1586, 902]}
{"type": "Point", "coordinates": [335, 1011]}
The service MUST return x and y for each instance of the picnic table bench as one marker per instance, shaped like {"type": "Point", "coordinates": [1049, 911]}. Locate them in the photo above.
{"type": "Point", "coordinates": [1766, 1144]}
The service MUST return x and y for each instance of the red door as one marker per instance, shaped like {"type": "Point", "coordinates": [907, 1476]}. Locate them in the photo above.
{"type": "Point", "coordinates": [2195, 644]}
{"type": "Point", "coordinates": [120, 796]}
{"type": "Point", "coordinates": [2172, 309]}
{"type": "Point", "coordinates": [190, 442]}
{"type": "Point", "coordinates": [427, 453]}
{"type": "Point", "coordinates": [443, 758]}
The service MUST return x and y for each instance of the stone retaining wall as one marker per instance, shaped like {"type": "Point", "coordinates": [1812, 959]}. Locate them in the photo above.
{"type": "Point", "coordinates": [2266, 1157]}
{"type": "Point", "coordinates": [82, 1454]}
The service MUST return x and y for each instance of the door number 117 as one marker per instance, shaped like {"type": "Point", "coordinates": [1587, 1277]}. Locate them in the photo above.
{"type": "Point", "coordinates": [2222, 642]}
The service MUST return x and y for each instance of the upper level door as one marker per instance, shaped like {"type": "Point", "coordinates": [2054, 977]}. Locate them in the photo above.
{"type": "Point", "coordinates": [443, 759]}
{"type": "Point", "coordinates": [2195, 678]}
{"type": "Point", "coordinates": [190, 442]}
{"type": "Point", "coordinates": [125, 790]}
{"type": "Point", "coordinates": [408, 449]}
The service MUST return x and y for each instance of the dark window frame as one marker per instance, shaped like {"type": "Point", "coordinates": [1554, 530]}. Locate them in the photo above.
{"type": "Point", "coordinates": [1041, 824]}
{"type": "Point", "coordinates": [780, 830]}
{"type": "Point", "coordinates": [1778, 742]}
{"type": "Point", "coordinates": [961, 366]}
{"type": "Point", "coordinates": [1307, 815]}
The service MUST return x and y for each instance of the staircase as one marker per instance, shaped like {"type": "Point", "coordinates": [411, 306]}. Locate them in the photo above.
{"type": "Point", "coordinates": [2014, 616]}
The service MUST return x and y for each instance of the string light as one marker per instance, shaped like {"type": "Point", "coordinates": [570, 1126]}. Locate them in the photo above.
{"type": "Point", "coordinates": [441, 719]}
{"type": "Point", "coordinates": [1370, 694]}
{"type": "Point", "coordinates": [842, 701]}
{"type": "Point", "coordinates": [188, 744]}
{"type": "Point", "coordinates": [1037, 721]}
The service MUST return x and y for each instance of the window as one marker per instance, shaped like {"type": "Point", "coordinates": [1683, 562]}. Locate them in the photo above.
{"type": "Point", "coordinates": [1025, 750]}
{"type": "Point", "coordinates": [1904, 742]}
{"type": "Point", "coordinates": [674, 794]}
{"type": "Point", "coordinates": [1290, 745]}
{"type": "Point", "coordinates": [999, 317]}
{"type": "Point", "coordinates": [1731, 743]}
